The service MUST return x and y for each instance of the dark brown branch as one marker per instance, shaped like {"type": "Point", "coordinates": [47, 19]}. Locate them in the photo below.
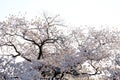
{"type": "Point", "coordinates": [96, 69]}
{"type": "Point", "coordinates": [19, 54]}
{"type": "Point", "coordinates": [39, 45]}
{"type": "Point", "coordinates": [15, 50]}
{"type": "Point", "coordinates": [42, 44]}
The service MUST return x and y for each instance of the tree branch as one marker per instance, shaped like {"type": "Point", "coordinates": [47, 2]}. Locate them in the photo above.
{"type": "Point", "coordinates": [19, 54]}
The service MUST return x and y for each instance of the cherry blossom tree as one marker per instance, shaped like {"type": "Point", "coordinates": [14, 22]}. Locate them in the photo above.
{"type": "Point", "coordinates": [47, 52]}
{"type": "Point", "coordinates": [99, 48]}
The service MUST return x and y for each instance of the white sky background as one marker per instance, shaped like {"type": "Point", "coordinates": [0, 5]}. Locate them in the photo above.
{"type": "Point", "coordinates": [73, 12]}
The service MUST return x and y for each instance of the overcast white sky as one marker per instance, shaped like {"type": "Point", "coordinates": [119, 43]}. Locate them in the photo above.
{"type": "Point", "coordinates": [75, 12]}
